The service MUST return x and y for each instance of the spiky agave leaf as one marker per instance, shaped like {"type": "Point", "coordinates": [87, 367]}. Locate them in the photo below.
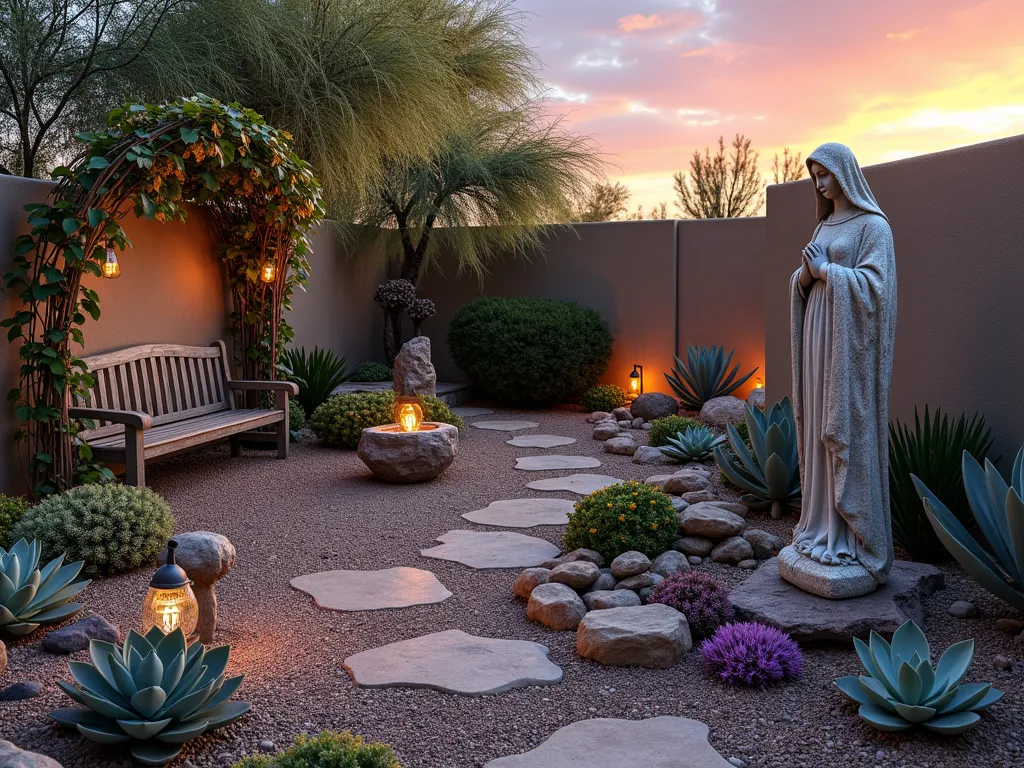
{"type": "Point", "coordinates": [695, 444]}
{"type": "Point", "coordinates": [902, 689]}
{"type": "Point", "coordinates": [30, 597]}
{"type": "Point", "coordinates": [154, 693]}
{"type": "Point", "coordinates": [705, 376]}
{"type": "Point", "coordinates": [317, 373]}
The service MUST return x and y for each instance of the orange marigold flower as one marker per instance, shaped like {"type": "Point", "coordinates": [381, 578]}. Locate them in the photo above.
{"type": "Point", "coordinates": [635, 494]}
{"type": "Point", "coordinates": [610, 505]}
{"type": "Point", "coordinates": [654, 501]}
{"type": "Point", "coordinates": [593, 530]}
{"type": "Point", "coordinates": [632, 506]}
{"type": "Point", "coordinates": [622, 518]}
{"type": "Point", "coordinates": [654, 526]}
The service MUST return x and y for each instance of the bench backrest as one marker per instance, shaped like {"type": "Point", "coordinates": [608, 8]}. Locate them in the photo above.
{"type": "Point", "coordinates": [167, 381]}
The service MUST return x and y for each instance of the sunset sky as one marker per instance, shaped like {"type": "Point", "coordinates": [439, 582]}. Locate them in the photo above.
{"type": "Point", "coordinates": [652, 80]}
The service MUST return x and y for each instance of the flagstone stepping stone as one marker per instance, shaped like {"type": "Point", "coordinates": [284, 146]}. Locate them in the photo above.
{"type": "Point", "coordinates": [468, 412]}
{"type": "Point", "coordinates": [372, 590]}
{"type": "Point", "coordinates": [583, 484]}
{"type": "Point", "coordinates": [505, 426]}
{"type": "Point", "coordinates": [658, 742]}
{"type": "Point", "coordinates": [500, 549]}
{"type": "Point", "coordinates": [523, 513]}
{"type": "Point", "coordinates": [541, 463]}
{"type": "Point", "coordinates": [455, 662]}
{"type": "Point", "coordinates": [540, 441]}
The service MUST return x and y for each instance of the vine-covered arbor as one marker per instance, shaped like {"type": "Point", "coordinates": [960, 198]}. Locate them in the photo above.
{"type": "Point", "coordinates": [152, 161]}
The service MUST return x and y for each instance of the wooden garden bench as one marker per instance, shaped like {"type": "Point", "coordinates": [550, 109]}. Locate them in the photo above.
{"type": "Point", "coordinates": [163, 399]}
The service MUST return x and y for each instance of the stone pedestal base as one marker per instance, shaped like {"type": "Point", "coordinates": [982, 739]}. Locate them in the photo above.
{"type": "Point", "coordinates": [836, 582]}
{"type": "Point", "coordinates": [409, 457]}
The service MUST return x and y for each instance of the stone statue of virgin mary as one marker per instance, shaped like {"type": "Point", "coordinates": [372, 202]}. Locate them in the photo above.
{"type": "Point", "coordinates": [843, 328]}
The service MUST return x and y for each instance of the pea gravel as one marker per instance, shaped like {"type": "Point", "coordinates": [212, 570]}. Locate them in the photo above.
{"type": "Point", "coordinates": [321, 510]}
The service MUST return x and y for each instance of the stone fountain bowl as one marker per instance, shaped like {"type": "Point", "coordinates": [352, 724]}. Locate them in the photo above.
{"type": "Point", "coordinates": [409, 457]}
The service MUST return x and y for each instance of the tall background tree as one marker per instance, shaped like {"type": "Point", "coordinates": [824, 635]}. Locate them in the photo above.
{"type": "Point", "coordinates": [721, 185]}
{"type": "Point", "coordinates": [60, 62]}
{"type": "Point", "coordinates": [601, 201]}
{"type": "Point", "coordinates": [788, 168]}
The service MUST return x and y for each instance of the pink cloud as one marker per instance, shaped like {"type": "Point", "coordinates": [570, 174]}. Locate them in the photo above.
{"type": "Point", "coordinates": [639, 23]}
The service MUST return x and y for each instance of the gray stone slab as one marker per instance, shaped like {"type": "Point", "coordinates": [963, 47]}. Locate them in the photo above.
{"type": "Point", "coordinates": [659, 742]}
{"type": "Point", "coordinates": [523, 513]}
{"type": "Point", "coordinates": [583, 484]}
{"type": "Point", "coordinates": [469, 412]}
{"type": "Point", "coordinates": [767, 597]}
{"type": "Point", "coordinates": [455, 662]}
{"type": "Point", "coordinates": [372, 590]}
{"type": "Point", "coordinates": [510, 425]}
{"type": "Point", "coordinates": [542, 463]}
{"type": "Point", "coordinates": [540, 441]}
{"type": "Point", "coordinates": [500, 549]}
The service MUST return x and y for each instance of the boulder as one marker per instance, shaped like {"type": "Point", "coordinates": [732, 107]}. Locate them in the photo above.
{"type": "Point", "coordinates": [623, 445]}
{"type": "Point", "coordinates": [733, 550]}
{"type": "Point", "coordinates": [408, 457]}
{"type": "Point", "coordinates": [654, 636]}
{"type": "Point", "coordinates": [764, 544]}
{"type": "Point", "coordinates": [658, 481]}
{"type": "Point", "coordinates": [686, 481]}
{"type": "Point", "coordinates": [733, 506]}
{"type": "Point", "coordinates": [206, 557]}
{"type": "Point", "coordinates": [640, 581]}
{"type": "Point", "coordinates": [413, 372]}
{"type": "Point", "coordinates": [26, 689]}
{"type": "Point", "coordinates": [637, 423]}
{"type": "Point", "coordinates": [605, 430]}
{"type": "Point", "coordinates": [962, 609]}
{"type": "Point", "coordinates": [75, 637]}
{"type": "Point", "coordinates": [577, 575]}
{"type": "Point", "coordinates": [756, 398]}
{"type": "Point", "coordinates": [528, 580]}
{"type": "Point", "coordinates": [604, 599]}
{"type": "Point", "coordinates": [604, 583]}
{"type": "Point", "coordinates": [709, 522]}
{"type": "Point", "coordinates": [654, 405]}
{"type": "Point", "coordinates": [13, 757]}
{"type": "Point", "coordinates": [625, 423]}
{"type": "Point", "coordinates": [668, 563]}
{"type": "Point", "coordinates": [678, 504]}
{"type": "Point", "coordinates": [588, 555]}
{"type": "Point", "coordinates": [648, 454]}
{"type": "Point", "coordinates": [597, 416]}
{"type": "Point", "coordinates": [647, 426]}
{"type": "Point", "coordinates": [719, 411]}
{"type": "Point", "coordinates": [699, 497]}
{"type": "Point", "coordinates": [622, 414]}
{"type": "Point", "coordinates": [555, 606]}
{"type": "Point", "coordinates": [629, 564]}
{"type": "Point", "coordinates": [694, 546]}
{"type": "Point", "coordinates": [747, 565]}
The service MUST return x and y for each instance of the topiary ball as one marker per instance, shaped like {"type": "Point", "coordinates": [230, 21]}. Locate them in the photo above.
{"type": "Point", "coordinates": [372, 372]}
{"type": "Point", "coordinates": [113, 528]}
{"type": "Point", "coordinates": [669, 426]}
{"type": "Point", "coordinates": [340, 420]}
{"type": "Point", "coordinates": [621, 518]}
{"type": "Point", "coordinates": [328, 749]}
{"type": "Point", "coordinates": [530, 352]}
{"type": "Point", "coordinates": [703, 600]}
{"type": "Point", "coordinates": [753, 655]}
{"type": "Point", "coordinates": [604, 397]}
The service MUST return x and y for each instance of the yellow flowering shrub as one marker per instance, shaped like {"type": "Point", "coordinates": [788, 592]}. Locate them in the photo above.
{"type": "Point", "coordinates": [623, 517]}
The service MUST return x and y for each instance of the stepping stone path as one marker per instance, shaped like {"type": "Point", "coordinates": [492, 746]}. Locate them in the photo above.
{"type": "Point", "coordinates": [541, 463]}
{"type": "Point", "coordinates": [467, 412]}
{"type": "Point", "coordinates": [501, 549]}
{"type": "Point", "coordinates": [582, 484]}
{"type": "Point", "coordinates": [455, 662]}
{"type": "Point", "coordinates": [372, 590]}
{"type": "Point", "coordinates": [523, 513]}
{"type": "Point", "coordinates": [540, 441]}
{"type": "Point", "coordinates": [659, 742]}
{"type": "Point", "coordinates": [505, 426]}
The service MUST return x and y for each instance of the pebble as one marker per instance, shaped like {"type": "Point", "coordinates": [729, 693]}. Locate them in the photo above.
{"type": "Point", "coordinates": [1010, 625]}
{"type": "Point", "coordinates": [27, 689]}
{"type": "Point", "coordinates": [963, 610]}
{"type": "Point", "coordinates": [694, 560]}
{"type": "Point", "coordinates": [267, 745]}
{"type": "Point", "coordinates": [736, 762]}
{"type": "Point", "coordinates": [1002, 662]}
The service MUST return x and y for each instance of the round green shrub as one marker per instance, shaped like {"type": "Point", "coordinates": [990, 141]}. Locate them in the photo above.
{"type": "Point", "coordinates": [530, 352]}
{"type": "Point", "coordinates": [341, 420]}
{"type": "Point", "coordinates": [604, 397]}
{"type": "Point", "coordinates": [12, 508]}
{"type": "Point", "coordinates": [366, 372]}
{"type": "Point", "coordinates": [296, 416]}
{"type": "Point", "coordinates": [664, 428]}
{"type": "Point", "coordinates": [328, 749]}
{"type": "Point", "coordinates": [622, 518]}
{"type": "Point", "coordinates": [744, 433]}
{"type": "Point", "coordinates": [113, 528]}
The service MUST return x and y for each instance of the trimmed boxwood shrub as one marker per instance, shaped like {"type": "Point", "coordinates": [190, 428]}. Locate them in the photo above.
{"type": "Point", "coordinates": [664, 428]}
{"type": "Point", "coordinates": [530, 352]}
{"type": "Point", "coordinates": [341, 420]}
{"type": "Point", "coordinates": [12, 508]}
{"type": "Point", "coordinates": [367, 372]}
{"type": "Point", "coordinates": [604, 397]}
{"type": "Point", "coordinates": [113, 528]}
{"type": "Point", "coordinates": [621, 518]}
{"type": "Point", "coordinates": [328, 749]}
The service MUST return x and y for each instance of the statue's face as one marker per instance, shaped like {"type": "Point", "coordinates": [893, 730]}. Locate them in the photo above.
{"type": "Point", "coordinates": [826, 183]}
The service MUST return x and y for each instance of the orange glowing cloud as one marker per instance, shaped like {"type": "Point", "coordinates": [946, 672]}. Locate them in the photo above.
{"type": "Point", "coordinates": [902, 36]}
{"type": "Point", "coordinates": [639, 23]}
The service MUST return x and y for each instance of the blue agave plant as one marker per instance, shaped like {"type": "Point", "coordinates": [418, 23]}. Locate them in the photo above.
{"type": "Point", "coordinates": [998, 509]}
{"type": "Point", "coordinates": [902, 689]}
{"type": "Point", "coordinates": [695, 444]}
{"type": "Point", "coordinates": [30, 596]}
{"type": "Point", "coordinates": [705, 376]}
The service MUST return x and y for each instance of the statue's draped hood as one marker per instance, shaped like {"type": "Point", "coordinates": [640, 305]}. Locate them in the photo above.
{"type": "Point", "coordinates": [840, 161]}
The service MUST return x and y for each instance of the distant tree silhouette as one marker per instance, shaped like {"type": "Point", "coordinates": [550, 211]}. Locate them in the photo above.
{"type": "Point", "coordinates": [721, 186]}
{"type": "Point", "coordinates": [656, 212]}
{"type": "Point", "coordinates": [790, 169]}
{"type": "Point", "coordinates": [603, 201]}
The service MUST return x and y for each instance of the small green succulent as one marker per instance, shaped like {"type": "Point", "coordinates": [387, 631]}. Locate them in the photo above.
{"type": "Point", "coordinates": [155, 693]}
{"type": "Point", "coordinates": [902, 689]}
{"type": "Point", "coordinates": [695, 444]}
{"type": "Point", "coordinates": [29, 596]}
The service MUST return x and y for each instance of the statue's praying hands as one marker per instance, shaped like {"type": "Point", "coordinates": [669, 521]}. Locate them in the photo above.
{"type": "Point", "coordinates": [815, 257]}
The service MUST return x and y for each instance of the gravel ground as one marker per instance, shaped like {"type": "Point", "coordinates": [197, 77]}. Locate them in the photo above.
{"type": "Point", "coordinates": [321, 510]}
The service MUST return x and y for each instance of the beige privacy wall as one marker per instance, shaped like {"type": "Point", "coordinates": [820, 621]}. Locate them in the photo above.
{"type": "Point", "coordinates": [958, 226]}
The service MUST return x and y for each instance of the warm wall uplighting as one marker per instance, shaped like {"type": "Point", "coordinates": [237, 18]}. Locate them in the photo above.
{"type": "Point", "coordinates": [759, 383]}
{"type": "Point", "coordinates": [636, 380]}
{"type": "Point", "coordinates": [408, 414]}
{"type": "Point", "coordinates": [170, 603]}
{"type": "Point", "coordinates": [111, 269]}
{"type": "Point", "coordinates": [268, 272]}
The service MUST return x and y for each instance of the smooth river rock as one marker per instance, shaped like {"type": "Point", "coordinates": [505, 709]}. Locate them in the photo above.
{"type": "Point", "coordinates": [603, 599]}
{"type": "Point", "coordinates": [556, 606]}
{"type": "Point", "coordinates": [709, 522]}
{"type": "Point", "coordinates": [653, 405]}
{"type": "Point", "coordinates": [14, 757]}
{"type": "Point", "coordinates": [719, 411]}
{"type": "Point", "coordinates": [654, 636]}
{"type": "Point", "coordinates": [500, 549]}
{"type": "Point", "coordinates": [528, 580]}
{"type": "Point", "coordinates": [577, 575]}
{"type": "Point", "coordinates": [685, 481]}
{"type": "Point", "coordinates": [624, 445]}
{"type": "Point", "coordinates": [629, 564]}
{"type": "Point", "coordinates": [398, 587]}
{"type": "Point", "coordinates": [649, 454]}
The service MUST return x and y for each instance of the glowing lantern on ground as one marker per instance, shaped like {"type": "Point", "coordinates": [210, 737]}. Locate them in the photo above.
{"type": "Point", "coordinates": [111, 269]}
{"type": "Point", "coordinates": [170, 603]}
{"type": "Point", "coordinates": [408, 414]}
{"type": "Point", "coordinates": [636, 380]}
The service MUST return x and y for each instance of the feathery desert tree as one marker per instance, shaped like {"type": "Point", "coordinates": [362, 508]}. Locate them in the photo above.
{"type": "Point", "coordinates": [791, 167]}
{"type": "Point", "coordinates": [602, 201]}
{"type": "Point", "coordinates": [721, 186]}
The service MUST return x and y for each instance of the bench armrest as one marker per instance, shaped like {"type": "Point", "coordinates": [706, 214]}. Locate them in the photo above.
{"type": "Point", "coordinates": [134, 419]}
{"type": "Point", "coordinates": [280, 386]}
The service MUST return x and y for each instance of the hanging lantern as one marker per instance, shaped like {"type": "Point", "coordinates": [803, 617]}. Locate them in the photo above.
{"type": "Point", "coordinates": [170, 603]}
{"type": "Point", "coordinates": [268, 272]}
{"type": "Point", "coordinates": [408, 414]}
{"type": "Point", "coordinates": [636, 380]}
{"type": "Point", "coordinates": [111, 269]}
